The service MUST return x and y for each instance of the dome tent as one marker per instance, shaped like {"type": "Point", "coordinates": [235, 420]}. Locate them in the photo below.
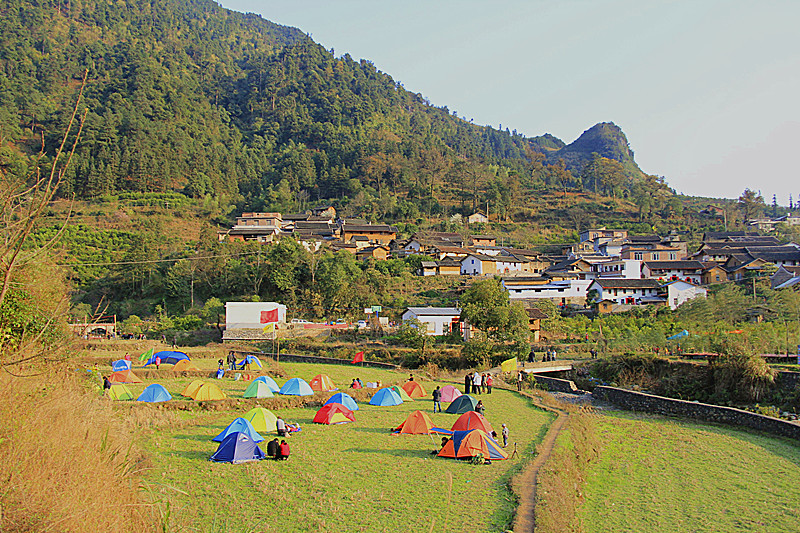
{"type": "Point", "coordinates": [449, 393]}
{"type": "Point", "coordinates": [238, 448]}
{"type": "Point", "coordinates": [419, 423]}
{"type": "Point", "coordinates": [191, 388]}
{"type": "Point", "coordinates": [273, 386]}
{"type": "Point", "coordinates": [239, 425]}
{"type": "Point", "coordinates": [414, 389]}
{"type": "Point", "coordinates": [322, 383]}
{"type": "Point", "coordinates": [262, 419]}
{"type": "Point", "coordinates": [334, 413]}
{"type": "Point", "coordinates": [124, 376]}
{"type": "Point", "coordinates": [258, 389]}
{"type": "Point", "coordinates": [296, 387]}
{"type": "Point", "coordinates": [386, 397]}
{"type": "Point", "coordinates": [462, 404]}
{"type": "Point", "coordinates": [184, 365]}
{"type": "Point", "coordinates": [168, 357]}
{"type": "Point", "coordinates": [208, 391]}
{"type": "Point", "coordinates": [466, 444]}
{"type": "Point", "coordinates": [344, 399]}
{"type": "Point", "coordinates": [154, 393]}
{"type": "Point", "coordinates": [118, 391]}
{"type": "Point", "coordinates": [120, 364]}
{"type": "Point", "coordinates": [401, 393]}
{"type": "Point", "coordinates": [472, 420]}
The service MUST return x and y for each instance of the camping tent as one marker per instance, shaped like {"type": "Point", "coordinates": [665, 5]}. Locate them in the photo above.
{"type": "Point", "coordinates": [238, 448]}
{"type": "Point", "coordinates": [124, 376]}
{"type": "Point", "coordinates": [334, 413]}
{"type": "Point", "coordinates": [386, 397]}
{"type": "Point", "coordinates": [168, 357]}
{"type": "Point", "coordinates": [184, 364]}
{"type": "Point", "coordinates": [208, 391]}
{"type": "Point", "coordinates": [414, 389]}
{"type": "Point", "coordinates": [270, 383]}
{"type": "Point", "coordinates": [191, 388]}
{"type": "Point", "coordinates": [258, 389]}
{"type": "Point", "coordinates": [680, 335]}
{"type": "Point", "coordinates": [344, 399]}
{"type": "Point", "coordinates": [472, 420]}
{"type": "Point", "coordinates": [323, 383]}
{"type": "Point", "coordinates": [466, 444]}
{"type": "Point", "coordinates": [240, 425]}
{"type": "Point", "coordinates": [120, 364]}
{"type": "Point", "coordinates": [262, 419]}
{"type": "Point", "coordinates": [403, 394]}
{"type": "Point", "coordinates": [462, 404]}
{"type": "Point", "coordinates": [449, 393]}
{"type": "Point", "coordinates": [154, 393]}
{"type": "Point", "coordinates": [419, 423]}
{"type": "Point", "coordinates": [296, 387]}
{"type": "Point", "coordinates": [118, 391]}
{"type": "Point", "coordinates": [250, 360]}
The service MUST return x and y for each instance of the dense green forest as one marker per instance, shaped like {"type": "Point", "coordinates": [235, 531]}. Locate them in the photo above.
{"type": "Point", "coordinates": [189, 97]}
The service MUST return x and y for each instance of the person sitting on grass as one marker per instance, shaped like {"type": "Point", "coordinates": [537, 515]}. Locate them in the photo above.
{"type": "Point", "coordinates": [280, 425]}
{"type": "Point", "coordinates": [272, 448]}
{"type": "Point", "coordinates": [479, 408]}
{"type": "Point", "coordinates": [283, 451]}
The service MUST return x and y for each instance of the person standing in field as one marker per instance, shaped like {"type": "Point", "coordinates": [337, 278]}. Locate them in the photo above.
{"type": "Point", "coordinates": [519, 380]}
{"type": "Point", "coordinates": [505, 435]}
{"type": "Point", "coordinates": [158, 362]}
{"type": "Point", "coordinates": [489, 382]}
{"type": "Point", "coordinates": [467, 383]}
{"type": "Point", "coordinates": [476, 383]}
{"type": "Point", "coordinates": [437, 398]}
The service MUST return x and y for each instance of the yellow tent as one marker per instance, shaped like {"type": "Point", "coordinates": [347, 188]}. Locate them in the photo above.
{"type": "Point", "coordinates": [118, 391]}
{"type": "Point", "coordinates": [509, 365]}
{"type": "Point", "coordinates": [261, 419]}
{"type": "Point", "coordinates": [191, 388]}
{"type": "Point", "coordinates": [183, 364]}
{"type": "Point", "coordinates": [208, 391]}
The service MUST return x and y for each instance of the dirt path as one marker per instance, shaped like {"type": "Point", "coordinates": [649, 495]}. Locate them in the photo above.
{"type": "Point", "coordinates": [525, 521]}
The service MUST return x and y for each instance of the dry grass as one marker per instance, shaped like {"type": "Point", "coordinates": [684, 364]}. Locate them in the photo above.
{"type": "Point", "coordinates": [66, 462]}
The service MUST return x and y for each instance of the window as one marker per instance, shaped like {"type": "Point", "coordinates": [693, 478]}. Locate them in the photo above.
{"type": "Point", "coordinates": [637, 256]}
{"type": "Point", "coordinates": [673, 256]}
{"type": "Point", "coordinates": [655, 256]}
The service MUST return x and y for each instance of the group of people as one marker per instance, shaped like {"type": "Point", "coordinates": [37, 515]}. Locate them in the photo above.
{"type": "Point", "coordinates": [356, 384]}
{"type": "Point", "coordinates": [477, 383]}
{"type": "Point", "coordinates": [278, 451]}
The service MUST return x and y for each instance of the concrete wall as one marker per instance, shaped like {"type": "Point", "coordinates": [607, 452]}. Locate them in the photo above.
{"type": "Point", "coordinates": [555, 384]}
{"type": "Point", "coordinates": [638, 401]}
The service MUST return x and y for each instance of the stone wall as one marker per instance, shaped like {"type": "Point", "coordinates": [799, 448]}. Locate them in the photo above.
{"type": "Point", "coordinates": [556, 384]}
{"type": "Point", "coordinates": [788, 381]}
{"type": "Point", "coordinates": [638, 401]}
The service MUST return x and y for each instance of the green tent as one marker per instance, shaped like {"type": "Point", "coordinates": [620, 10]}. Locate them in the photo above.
{"type": "Point", "coordinates": [258, 389]}
{"type": "Point", "coordinates": [118, 391]}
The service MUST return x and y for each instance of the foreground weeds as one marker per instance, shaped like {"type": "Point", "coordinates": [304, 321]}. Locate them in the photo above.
{"type": "Point", "coordinates": [66, 462]}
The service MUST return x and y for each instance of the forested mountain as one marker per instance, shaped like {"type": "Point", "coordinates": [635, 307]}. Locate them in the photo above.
{"type": "Point", "coordinates": [184, 95]}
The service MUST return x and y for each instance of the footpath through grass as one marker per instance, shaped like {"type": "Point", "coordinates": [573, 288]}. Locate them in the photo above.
{"type": "Point", "coordinates": [663, 475]}
{"type": "Point", "coordinates": [349, 477]}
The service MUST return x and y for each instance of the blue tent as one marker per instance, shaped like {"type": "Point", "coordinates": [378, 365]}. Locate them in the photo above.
{"type": "Point", "coordinates": [154, 393]}
{"type": "Point", "coordinates": [120, 364]}
{"type": "Point", "coordinates": [297, 387]}
{"type": "Point", "coordinates": [240, 425]}
{"type": "Point", "coordinates": [386, 397]}
{"type": "Point", "coordinates": [168, 357]}
{"type": "Point", "coordinates": [270, 383]}
{"type": "Point", "coordinates": [462, 404]}
{"type": "Point", "coordinates": [250, 359]}
{"type": "Point", "coordinates": [680, 335]}
{"type": "Point", "coordinates": [237, 448]}
{"type": "Point", "coordinates": [344, 399]}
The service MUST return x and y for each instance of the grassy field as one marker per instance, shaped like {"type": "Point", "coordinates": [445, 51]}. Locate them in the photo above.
{"type": "Point", "coordinates": [663, 475]}
{"type": "Point", "coordinates": [349, 477]}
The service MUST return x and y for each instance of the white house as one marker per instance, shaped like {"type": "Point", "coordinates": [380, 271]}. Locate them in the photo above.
{"type": "Point", "coordinates": [437, 320]}
{"type": "Point", "coordinates": [478, 265]}
{"type": "Point", "coordinates": [619, 268]}
{"type": "Point", "coordinates": [253, 315]}
{"type": "Point", "coordinates": [626, 291]}
{"type": "Point", "coordinates": [561, 291]}
{"type": "Point", "coordinates": [679, 292]}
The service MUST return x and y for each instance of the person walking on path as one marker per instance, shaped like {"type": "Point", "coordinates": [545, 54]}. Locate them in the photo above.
{"type": "Point", "coordinates": [476, 383]}
{"type": "Point", "coordinates": [505, 435]}
{"type": "Point", "coordinates": [437, 399]}
{"type": "Point", "coordinates": [489, 382]}
{"type": "Point", "coordinates": [467, 383]}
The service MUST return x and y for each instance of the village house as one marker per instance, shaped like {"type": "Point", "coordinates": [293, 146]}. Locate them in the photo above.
{"type": "Point", "coordinates": [483, 240]}
{"type": "Point", "coordinates": [649, 252]}
{"type": "Point", "coordinates": [478, 265]}
{"type": "Point", "coordinates": [373, 233]}
{"type": "Point", "coordinates": [560, 291]}
{"type": "Point", "coordinates": [448, 267]}
{"type": "Point", "coordinates": [477, 218]}
{"type": "Point", "coordinates": [626, 291]}
{"type": "Point", "coordinates": [713, 273]}
{"type": "Point", "coordinates": [535, 317]}
{"type": "Point", "coordinates": [673, 270]}
{"type": "Point", "coordinates": [379, 253]}
{"type": "Point", "coordinates": [618, 268]}
{"type": "Point", "coordinates": [427, 268]}
{"type": "Point", "coordinates": [784, 277]}
{"type": "Point", "coordinates": [435, 320]}
{"type": "Point", "coordinates": [261, 227]}
{"type": "Point", "coordinates": [679, 292]}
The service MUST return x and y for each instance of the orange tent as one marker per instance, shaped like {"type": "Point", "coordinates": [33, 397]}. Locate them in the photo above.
{"type": "Point", "coordinates": [472, 420]}
{"type": "Point", "coordinates": [414, 389]}
{"type": "Point", "coordinates": [124, 376]}
{"type": "Point", "coordinates": [419, 423]}
{"type": "Point", "coordinates": [184, 364]}
{"type": "Point", "coordinates": [208, 391]}
{"type": "Point", "coordinates": [323, 383]}
{"type": "Point", "coordinates": [466, 444]}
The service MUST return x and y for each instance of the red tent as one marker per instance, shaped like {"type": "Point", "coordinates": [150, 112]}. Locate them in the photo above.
{"type": "Point", "coordinates": [334, 413]}
{"type": "Point", "coordinates": [414, 389]}
{"type": "Point", "coordinates": [472, 420]}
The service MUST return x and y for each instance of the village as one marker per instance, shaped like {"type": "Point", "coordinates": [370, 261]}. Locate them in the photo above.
{"type": "Point", "coordinates": [608, 268]}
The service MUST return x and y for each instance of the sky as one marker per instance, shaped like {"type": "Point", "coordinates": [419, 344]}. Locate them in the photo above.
{"type": "Point", "coordinates": [706, 91]}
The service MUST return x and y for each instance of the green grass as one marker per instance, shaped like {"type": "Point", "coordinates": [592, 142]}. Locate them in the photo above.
{"type": "Point", "coordinates": [349, 477]}
{"type": "Point", "coordinates": [664, 475]}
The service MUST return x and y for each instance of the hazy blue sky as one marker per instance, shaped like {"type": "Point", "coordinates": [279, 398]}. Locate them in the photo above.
{"type": "Point", "coordinates": [706, 91]}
